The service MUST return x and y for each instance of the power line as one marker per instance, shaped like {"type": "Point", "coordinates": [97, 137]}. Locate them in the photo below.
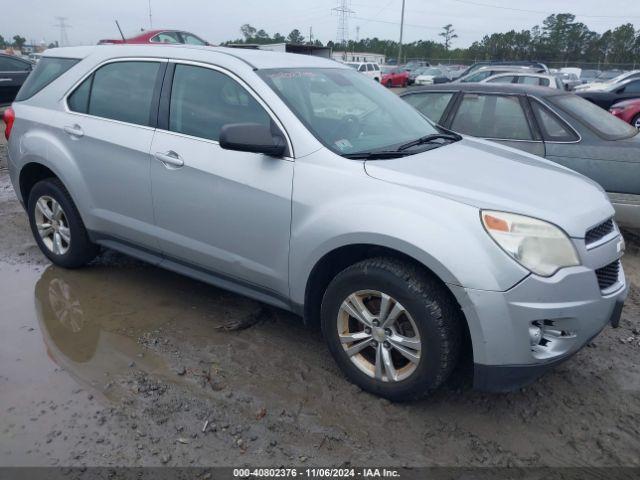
{"type": "Point", "coordinates": [500, 7]}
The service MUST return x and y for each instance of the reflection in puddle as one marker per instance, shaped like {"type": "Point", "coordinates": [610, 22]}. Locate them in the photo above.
{"type": "Point", "coordinates": [73, 310]}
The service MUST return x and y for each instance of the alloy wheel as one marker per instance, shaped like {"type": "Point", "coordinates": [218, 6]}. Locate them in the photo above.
{"type": "Point", "coordinates": [52, 224]}
{"type": "Point", "coordinates": [379, 335]}
{"type": "Point", "coordinates": [637, 123]}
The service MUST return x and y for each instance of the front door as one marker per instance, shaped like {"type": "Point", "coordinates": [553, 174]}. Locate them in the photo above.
{"type": "Point", "coordinates": [223, 211]}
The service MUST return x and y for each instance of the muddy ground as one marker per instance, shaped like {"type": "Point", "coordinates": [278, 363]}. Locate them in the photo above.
{"type": "Point", "coordinates": [125, 364]}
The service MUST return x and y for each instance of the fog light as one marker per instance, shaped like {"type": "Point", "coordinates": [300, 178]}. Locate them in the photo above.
{"type": "Point", "coordinates": [535, 335]}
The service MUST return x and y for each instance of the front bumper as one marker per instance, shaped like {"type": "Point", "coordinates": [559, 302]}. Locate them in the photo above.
{"type": "Point", "coordinates": [569, 307]}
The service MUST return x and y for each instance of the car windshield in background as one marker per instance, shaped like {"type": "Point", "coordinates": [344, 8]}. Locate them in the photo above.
{"type": "Point", "coordinates": [388, 69]}
{"type": "Point", "coordinates": [436, 72]}
{"type": "Point", "coordinates": [346, 111]}
{"type": "Point", "coordinates": [353, 65]}
{"type": "Point", "coordinates": [599, 120]}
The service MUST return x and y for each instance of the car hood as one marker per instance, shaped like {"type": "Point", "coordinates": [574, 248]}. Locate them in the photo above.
{"type": "Point", "coordinates": [488, 176]}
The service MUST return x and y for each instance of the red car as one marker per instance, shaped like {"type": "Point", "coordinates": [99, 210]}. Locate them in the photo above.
{"type": "Point", "coordinates": [628, 110]}
{"type": "Point", "coordinates": [160, 36]}
{"type": "Point", "coordinates": [394, 77]}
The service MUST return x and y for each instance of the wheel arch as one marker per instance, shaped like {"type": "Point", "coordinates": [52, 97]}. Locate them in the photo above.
{"type": "Point", "coordinates": [339, 258]}
{"type": "Point", "coordinates": [30, 174]}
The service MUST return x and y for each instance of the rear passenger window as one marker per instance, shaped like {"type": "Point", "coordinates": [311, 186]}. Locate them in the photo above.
{"type": "Point", "coordinates": [553, 129]}
{"type": "Point", "coordinates": [492, 116]}
{"type": "Point", "coordinates": [119, 91]}
{"type": "Point", "coordinates": [203, 100]}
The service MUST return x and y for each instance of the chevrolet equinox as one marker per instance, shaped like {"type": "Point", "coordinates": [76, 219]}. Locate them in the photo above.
{"type": "Point", "coordinates": [298, 182]}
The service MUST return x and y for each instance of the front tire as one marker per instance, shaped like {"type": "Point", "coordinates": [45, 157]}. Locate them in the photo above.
{"type": "Point", "coordinates": [636, 121]}
{"type": "Point", "coordinates": [393, 329]}
{"type": "Point", "coordinates": [57, 227]}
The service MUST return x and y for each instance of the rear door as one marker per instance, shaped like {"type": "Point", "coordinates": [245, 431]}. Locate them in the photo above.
{"type": "Point", "coordinates": [13, 73]}
{"type": "Point", "coordinates": [107, 128]}
{"type": "Point", "coordinates": [501, 118]}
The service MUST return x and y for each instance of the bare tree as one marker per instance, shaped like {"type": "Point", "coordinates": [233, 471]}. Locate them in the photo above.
{"type": "Point", "coordinates": [448, 33]}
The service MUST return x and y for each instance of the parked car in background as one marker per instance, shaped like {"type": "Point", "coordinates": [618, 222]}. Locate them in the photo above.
{"type": "Point", "coordinates": [431, 75]}
{"type": "Point", "coordinates": [537, 79]}
{"type": "Point", "coordinates": [569, 80]}
{"type": "Point", "coordinates": [627, 111]}
{"type": "Point", "coordinates": [488, 71]}
{"type": "Point", "coordinates": [159, 36]}
{"type": "Point", "coordinates": [394, 77]}
{"type": "Point", "coordinates": [412, 65]}
{"type": "Point", "coordinates": [455, 71]}
{"type": "Point", "coordinates": [550, 123]}
{"type": "Point", "coordinates": [370, 69]}
{"type": "Point", "coordinates": [414, 73]}
{"type": "Point", "coordinates": [589, 76]}
{"type": "Point", "coordinates": [300, 183]}
{"type": "Point", "coordinates": [13, 73]}
{"type": "Point", "coordinates": [604, 82]}
{"type": "Point", "coordinates": [613, 93]}
{"type": "Point", "coordinates": [537, 66]}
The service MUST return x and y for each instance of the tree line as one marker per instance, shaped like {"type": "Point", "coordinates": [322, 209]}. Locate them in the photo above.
{"type": "Point", "coordinates": [560, 39]}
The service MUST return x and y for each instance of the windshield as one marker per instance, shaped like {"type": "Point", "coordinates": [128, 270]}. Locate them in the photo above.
{"type": "Point", "coordinates": [432, 71]}
{"type": "Point", "coordinates": [353, 65]}
{"type": "Point", "coordinates": [599, 120]}
{"type": "Point", "coordinates": [346, 111]}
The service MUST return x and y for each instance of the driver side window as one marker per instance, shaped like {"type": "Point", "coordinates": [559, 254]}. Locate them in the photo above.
{"type": "Point", "coordinates": [203, 100]}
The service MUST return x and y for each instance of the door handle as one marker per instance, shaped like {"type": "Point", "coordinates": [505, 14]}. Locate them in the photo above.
{"type": "Point", "coordinates": [5, 79]}
{"type": "Point", "coordinates": [74, 130]}
{"type": "Point", "coordinates": [170, 159]}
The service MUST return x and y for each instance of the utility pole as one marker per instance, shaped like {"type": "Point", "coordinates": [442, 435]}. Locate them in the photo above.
{"type": "Point", "coordinates": [401, 29]}
{"type": "Point", "coordinates": [150, 18]}
{"type": "Point", "coordinates": [63, 25]}
{"type": "Point", "coordinates": [342, 33]}
{"type": "Point", "coordinates": [311, 35]}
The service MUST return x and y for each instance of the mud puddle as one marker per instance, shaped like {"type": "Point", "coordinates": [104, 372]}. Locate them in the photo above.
{"type": "Point", "coordinates": [122, 363]}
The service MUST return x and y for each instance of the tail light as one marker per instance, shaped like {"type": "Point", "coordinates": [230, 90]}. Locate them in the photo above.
{"type": "Point", "coordinates": [8, 118]}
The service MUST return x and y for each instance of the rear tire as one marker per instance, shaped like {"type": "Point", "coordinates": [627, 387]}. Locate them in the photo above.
{"type": "Point", "coordinates": [636, 121]}
{"type": "Point", "coordinates": [389, 84]}
{"type": "Point", "coordinates": [428, 317]}
{"type": "Point", "coordinates": [57, 227]}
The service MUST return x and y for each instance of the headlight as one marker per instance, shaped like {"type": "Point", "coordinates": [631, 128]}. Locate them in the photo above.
{"type": "Point", "coordinates": [537, 245]}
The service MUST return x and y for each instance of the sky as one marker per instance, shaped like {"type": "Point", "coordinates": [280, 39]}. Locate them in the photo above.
{"type": "Point", "coordinates": [220, 20]}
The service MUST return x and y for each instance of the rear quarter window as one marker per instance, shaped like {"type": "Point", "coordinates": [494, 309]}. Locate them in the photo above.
{"type": "Point", "coordinates": [46, 71]}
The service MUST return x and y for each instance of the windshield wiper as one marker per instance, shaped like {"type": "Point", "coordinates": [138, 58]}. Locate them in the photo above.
{"type": "Point", "coordinates": [382, 154]}
{"type": "Point", "coordinates": [430, 138]}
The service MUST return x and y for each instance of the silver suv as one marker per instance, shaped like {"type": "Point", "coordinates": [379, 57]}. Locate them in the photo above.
{"type": "Point", "coordinates": [300, 183]}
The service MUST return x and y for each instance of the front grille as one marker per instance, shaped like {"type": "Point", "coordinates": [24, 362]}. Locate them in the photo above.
{"type": "Point", "coordinates": [599, 231]}
{"type": "Point", "coordinates": [608, 275]}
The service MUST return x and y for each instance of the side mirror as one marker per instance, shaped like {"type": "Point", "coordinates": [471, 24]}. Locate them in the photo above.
{"type": "Point", "coordinates": [252, 137]}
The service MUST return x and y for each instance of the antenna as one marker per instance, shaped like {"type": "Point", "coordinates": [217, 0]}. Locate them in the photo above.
{"type": "Point", "coordinates": [344, 11]}
{"type": "Point", "coordinates": [62, 25]}
{"type": "Point", "coordinates": [120, 30]}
